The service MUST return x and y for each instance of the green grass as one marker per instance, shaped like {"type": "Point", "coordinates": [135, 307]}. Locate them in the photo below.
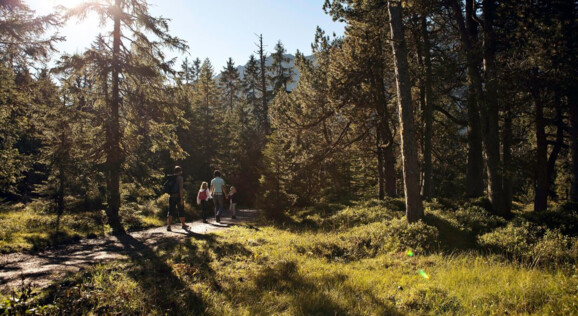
{"type": "Point", "coordinates": [33, 227]}
{"type": "Point", "coordinates": [335, 267]}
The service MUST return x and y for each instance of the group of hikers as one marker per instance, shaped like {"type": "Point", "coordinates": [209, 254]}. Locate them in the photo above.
{"type": "Point", "coordinates": [217, 192]}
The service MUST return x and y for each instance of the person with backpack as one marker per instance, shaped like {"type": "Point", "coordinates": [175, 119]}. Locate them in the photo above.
{"type": "Point", "coordinates": [203, 200]}
{"type": "Point", "coordinates": [174, 187]}
{"type": "Point", "coordinates": [219, 193]}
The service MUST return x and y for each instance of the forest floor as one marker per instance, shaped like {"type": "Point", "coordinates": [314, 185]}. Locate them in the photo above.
{"type": "Point", "coordinates": [40, 269]}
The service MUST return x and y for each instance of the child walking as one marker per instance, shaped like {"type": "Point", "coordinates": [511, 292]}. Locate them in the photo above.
{"type": "Point", "coordinates": [233, 202]}
{"type": "Point", "coordinates": [203, 200]}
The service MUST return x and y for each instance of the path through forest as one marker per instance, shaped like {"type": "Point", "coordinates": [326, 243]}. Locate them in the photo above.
{"type": "Point", "coordinates": [40, 269]}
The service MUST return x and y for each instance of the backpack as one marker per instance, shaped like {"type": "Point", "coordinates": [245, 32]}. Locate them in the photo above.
{"type": "Point", "coordinates": [203, 195]}
{"type": "Point", "coordinates": [171, 185]}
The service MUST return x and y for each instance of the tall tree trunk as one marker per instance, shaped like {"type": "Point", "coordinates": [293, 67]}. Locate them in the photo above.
{"type": "Point", "coordinates": [475, 163]}
{"type": "Point", "coordinates": [428, 114]}
{"type": "Point", "coordinates": [490, 113]}
{"type": "Point", "coordinates": [507, 141]}
{"type": "Point", "coordinates": [573, 104]}
{"type": "Point", "coordinates": [208, 139]}
{"type": "Point", "coordinates": [469, 35]}
{"type": "Point", "coordinates": [380, 171]}
{"type": "Point", "coordinates": [541, 167]}
{"type": "Point", "coordinates": [386, 140]}
{"type": "Point", "coordinates": [570, 33]}
{"type": "Point", "coordinates": [113, 159]}
{"type": "Point", "coordinates": [413, 202]}
{"type": "Point", "coordinates": [389, 169]}
{"type": "Point", "coordinates": [266, 128]}
{"type": "Point", "coordinates": [60, 192]}
{"type": "Point", "coordinates": [559, 121]}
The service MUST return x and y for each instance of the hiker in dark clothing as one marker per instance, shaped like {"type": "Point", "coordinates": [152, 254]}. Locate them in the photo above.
{"type": "Point", "coordinates": [176, 202]}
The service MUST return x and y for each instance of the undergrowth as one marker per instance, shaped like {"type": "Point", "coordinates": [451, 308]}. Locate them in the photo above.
{"type": "Point", "coordinates": [34, 226]}
{"type": "Point", "coordinates": [360, 259]}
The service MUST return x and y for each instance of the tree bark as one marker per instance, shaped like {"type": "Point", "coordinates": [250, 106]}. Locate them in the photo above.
{"type": "Point", "coordinates": [475, 163]}
{"type": "Point", "coordinates": [490, 113]}
{"type": "Point", "coordinates": [570, 33]}
{"type": "Point", "coordinates": [507, 141]}
{"type": "Point", "coordinates": [469, 35]}
{"type": "Point", "coordinates": [413, 202]}
{"type": "Point", "coordinates": [541, 167]}
{"type": "Point", "coordinates": [386, 140]}
{"type": "Point", "coordinates": [559, 121]}
{"type": "Point", "coordinates": [113, 159]}
{"type": "Point", "coordinates": [428, 114]}
{"type": "Point", "coordinates": [389, 169]}
{"type": "Point", "coordinates": [380, 171]}
{"type": "Point", "coordinates": [573, 104]}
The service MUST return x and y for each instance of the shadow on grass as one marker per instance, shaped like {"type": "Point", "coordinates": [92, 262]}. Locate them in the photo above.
{"type": "Point", "coordinates": [166, 291]}
{"type": "Point", "coordinates": [40, 242]}
{"type": "Point", "coordinates": [310, 296]}
{"type": "Point", "coordinates": [452, 238]}
{"type": "Point", "coordinates": [164, 275]}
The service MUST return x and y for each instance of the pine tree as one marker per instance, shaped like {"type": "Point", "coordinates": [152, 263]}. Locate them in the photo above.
{"type": "Point", "coordinates": [361, 76]}
{"type": "Point", "coordinates": [280, 71]}
{"type": "Point", "coordinates": [263, 109]}
{"type": "Point", "coordinates": [23, 40]}
{"type": "Point", "coordinates": [251, 83]}
{"type": "Point", "coordinates": [414, 206]}
{"type": "Point", "coordinates": [210, 117]}
{"type": "Point", "coordinates": [130, 19]}
{"type": "Point", "coordinates": [22, 34]}
{"type": "Point", "coordinates": [230, 81]}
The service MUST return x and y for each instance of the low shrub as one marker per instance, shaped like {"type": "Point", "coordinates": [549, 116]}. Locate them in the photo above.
{"type": "Point", "coordinates": [149, 208]}
{"type": "Point", "coordinates": [129, 217]}
{"type": "Point", "coordinates": [162, 203]}
{"type": "Point", "coordinates": [563, 217]}
{"type": "Point", "coordinates": [555, 249]}
{"type": "Point", "coordinates": [392, 204]}
{"type": "Point", "coordinates": [516, 239]}
{"type": "Point", "coordinates": [477, 220]}
{"type": "Point", "coordinates": [364, 213]}
{"type": "Point", "coordinates": [367, 241]}
{"type": "Point", "coordinates": [419, 236]}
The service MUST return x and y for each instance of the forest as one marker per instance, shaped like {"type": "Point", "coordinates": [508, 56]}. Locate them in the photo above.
{"type": "Point", "coordinates": [442, 113]}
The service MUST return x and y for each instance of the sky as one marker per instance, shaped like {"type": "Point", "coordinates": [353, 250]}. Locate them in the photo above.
{"type": "Point", "coordinates": [217, 29]}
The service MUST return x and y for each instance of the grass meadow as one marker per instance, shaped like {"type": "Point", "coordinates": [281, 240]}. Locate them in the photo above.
{"type": "Point", "coordinates": [358, 259]}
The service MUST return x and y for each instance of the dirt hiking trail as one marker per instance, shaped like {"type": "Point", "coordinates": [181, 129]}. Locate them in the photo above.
{"type": "Point", "coordinates": [40, 269]}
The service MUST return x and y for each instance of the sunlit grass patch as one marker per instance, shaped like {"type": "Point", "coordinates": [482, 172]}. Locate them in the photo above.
{"type": "Point", "coordinates": [35, 227]}
{"type": "Point", "coordinates": [24, 228]}
{"type": "Point", "coordinates": [382, 267]}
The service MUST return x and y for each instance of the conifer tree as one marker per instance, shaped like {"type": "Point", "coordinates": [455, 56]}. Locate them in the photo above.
{"type": "Point", "coordinates": [263, 110]}
{"type": "Point", "coordinates": [230, 81]}
{"type": "Point", "coordinates": [361, 76]}
{"type": "Point", "coordinates": [210, 118]}
{"type": "Point", "coordinates": [130, 20]}
{"type": "Point", "coordinates": [280, 71]}
{"type": "Point", "coordinates": [23, 40]}
{"type": "Point", "coordinates": [251, 81]}
{"type": "Point", "coordinates": [188, 72]}
{"type": "Point", "coordinates": [414, 206]}
{"type": "Point", "coordinates": [22, 34]}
